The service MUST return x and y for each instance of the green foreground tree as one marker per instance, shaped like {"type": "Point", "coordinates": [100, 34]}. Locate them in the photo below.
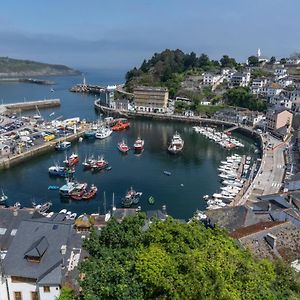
{"type": "Point", "coordinates": [171, 260]}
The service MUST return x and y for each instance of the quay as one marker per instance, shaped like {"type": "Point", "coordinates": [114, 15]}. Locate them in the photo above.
{"type": "Point", "coordinates": [15, 159]}
{"type": "Point", "coordinates": [87, 88]}
{"type": "Point", "coordinates": [30, 105]}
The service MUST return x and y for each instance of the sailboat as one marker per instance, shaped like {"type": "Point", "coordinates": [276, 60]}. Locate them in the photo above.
{"type": "Point", "coordinates": [3, 197]}
{"type": "Point", "coordinates": [38, 115]}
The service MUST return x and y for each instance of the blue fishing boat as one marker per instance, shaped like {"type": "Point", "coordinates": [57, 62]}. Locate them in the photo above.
{"type": "Point", "coordinates": [58, 171]}
{"type": "Point", "coordinates": [91, 134]}
{"type": "Point", "coordinates": [62, 146]}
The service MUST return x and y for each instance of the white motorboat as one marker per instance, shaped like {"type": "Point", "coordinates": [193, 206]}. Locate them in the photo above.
{"type": "Point", "coordinates": [103, 133]}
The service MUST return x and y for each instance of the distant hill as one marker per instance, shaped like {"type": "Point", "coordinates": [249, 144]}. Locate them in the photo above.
{"type": "Point", "coordinates": [10, 67]}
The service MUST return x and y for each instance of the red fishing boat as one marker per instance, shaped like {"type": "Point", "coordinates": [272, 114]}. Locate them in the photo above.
{"type": "Point", "coordinates": [121, 126]}
{"type": "Point", "coordinates": [72, 160]}
{"type": "Point", "coordinates": [91, 193]}
{"type": "Point", "coordinates": [99, 164]}
{"type": "Point", "coordinates": [123, 147]}
{"type": "Point", "coordinates": [139, 145]}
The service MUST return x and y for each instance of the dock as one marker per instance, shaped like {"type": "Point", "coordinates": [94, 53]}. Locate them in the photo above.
{"type": "Point", "coordinates": [30, 105]}
{"type": "Point", "coordinates": [16, 159]}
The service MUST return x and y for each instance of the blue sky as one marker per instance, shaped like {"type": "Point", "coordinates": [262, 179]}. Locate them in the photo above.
{"type": "Point", "coordinates": [119, 34]}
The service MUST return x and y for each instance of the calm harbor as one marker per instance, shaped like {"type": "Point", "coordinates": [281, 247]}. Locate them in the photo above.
{"type": "Point", "coordinates": [193, 173]}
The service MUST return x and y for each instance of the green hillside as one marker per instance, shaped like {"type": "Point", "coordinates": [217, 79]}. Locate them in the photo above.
{"type": "Point", "coordinates": [10, 67]}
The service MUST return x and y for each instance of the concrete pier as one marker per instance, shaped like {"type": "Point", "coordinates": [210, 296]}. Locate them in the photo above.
{"type": "Point", "coordinates": [29, 105]}
{"type": "Point", "coordinates": [13, 160]}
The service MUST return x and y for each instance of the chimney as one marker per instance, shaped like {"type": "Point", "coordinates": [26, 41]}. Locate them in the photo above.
{"type": "Point", "coordinates": [271, 240]}
{"type": "Point", "coordinates": [269, 206]}
{"type": "Point", "coordinates": [63, 249]}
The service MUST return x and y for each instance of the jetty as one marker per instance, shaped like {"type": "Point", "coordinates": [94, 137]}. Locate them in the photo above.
{"type": "Point", "coordinates": [30, 105]}
{"type": "Point", "coordinates": [36, 81]}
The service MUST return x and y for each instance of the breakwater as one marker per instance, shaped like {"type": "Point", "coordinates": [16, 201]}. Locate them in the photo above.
{"type": "Point", "coordinates": [30, 105]}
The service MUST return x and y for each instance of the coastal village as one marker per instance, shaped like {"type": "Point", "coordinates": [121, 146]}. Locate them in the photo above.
{"type": "Point", "coordinates": [41, 251]}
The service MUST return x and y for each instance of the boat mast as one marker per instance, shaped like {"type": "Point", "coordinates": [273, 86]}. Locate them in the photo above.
{"type": "Point", "coordinates": [113, 202]}
{"type": "Point", "coordinates": [104, 202]}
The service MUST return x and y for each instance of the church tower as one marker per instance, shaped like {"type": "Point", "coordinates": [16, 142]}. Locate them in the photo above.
{"type": "Point", "coordinates": [258, 52]}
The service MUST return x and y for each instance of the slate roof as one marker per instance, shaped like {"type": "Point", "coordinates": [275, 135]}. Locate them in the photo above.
{"type": "Point", "coordinates": [10, 220]}
{"type": "Point", "coordinates": [231, 218]}
{"type": "Point", "coordinates": [32, 237]}
{"type": "Point", "coordinates": [271, 202]}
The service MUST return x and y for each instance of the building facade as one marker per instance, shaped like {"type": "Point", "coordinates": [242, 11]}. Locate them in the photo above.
{"type": "Point", "coordinates": [278, 118]}
{"type": "Point", "coordinates": [240, 79]}
{"type": "Point", "coordinates": [151, 99]}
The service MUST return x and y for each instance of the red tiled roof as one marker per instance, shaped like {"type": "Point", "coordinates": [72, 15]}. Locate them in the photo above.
{"type": "Point", "coordinates": [241, 232]}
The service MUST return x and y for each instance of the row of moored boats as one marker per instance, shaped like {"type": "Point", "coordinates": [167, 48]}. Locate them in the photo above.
{"type": "Point", "coordinates": [219, 137]}
{"type": "Point", "coordinates": [233, 174]}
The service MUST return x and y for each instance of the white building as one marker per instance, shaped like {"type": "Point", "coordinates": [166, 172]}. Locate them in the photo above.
{"type": "Point", "coordinates": [240, 79]}
{"type": "Point", "coordinates": [258, 84]}
{"type": "Point", "coordinates": [285, 81]}
{"type": "Point", "coordinates": [280, 73]}
{"type": "Point", "coordinates": [210, 79]}
{"type": "Point", "coordinates": [227, 73]}
{"type": "Point", "coordinates": [39, 258]}
{"type": "Point", "coordinates": [273, 89]}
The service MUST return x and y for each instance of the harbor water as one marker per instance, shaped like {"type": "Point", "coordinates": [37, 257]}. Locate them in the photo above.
{"type": "Point", "coordinates": [193, 173]}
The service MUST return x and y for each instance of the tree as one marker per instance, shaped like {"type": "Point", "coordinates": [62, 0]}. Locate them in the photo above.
{"type": "Point", "coordinates": [203, 60]}
{"type": "Point", "coordinates": [227, 62]}
{"type": "Point", "coordinates": [240, 96]}
{"type": "Point", "coordinates": [283, 61]}
{"type": "Point", "coordinates": [66, 293]}
{"type": "Point", "coordinates": [253, 61]}
{"type": "Point", "coordinates": [272, 60]}
{"type": "Point", "coordinates": [171, 260]}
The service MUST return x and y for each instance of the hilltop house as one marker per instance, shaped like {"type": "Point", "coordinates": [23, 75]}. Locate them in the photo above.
{"type": "Point", "coordinates": [240, 79]}
{"type": "Point", "coordinates": [211, 79]}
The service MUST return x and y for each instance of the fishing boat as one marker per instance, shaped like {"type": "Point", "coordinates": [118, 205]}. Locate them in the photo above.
{"type": "Point", "coordinates": [108, 168]}
{"type": "Point", "coordinates": [127, 202]}
{"type": "Point", "coordinates": [103, 133]}
{"type": "Point", "coordinates": [151, 200]}
{"type": "Point", "coordinates": [42, 208]}
{"type": "Point", "coordinates": [131, 197]}
{"type": "Point", "coordinates": [139, 145]}
{"type": "Point", "coordinates": [123, 147]}
{"type": "Point", "coordinates": [90, 135]}
{"type": "Point", "coordinates": [176, 144]}
{"type": "Point", "coordinates": [17, 205]}
{"type": "Point", "coordinates": [57, 171]}
{"type": "Point", "coordinates": [91, 193]}
{"type": "Point", "coordinates": [167, 173]}
{"type": "Point", "coordinates": [3, 197]}
{"type": "Point", "coordinates": [72, 160]}
{"type": "Point", "coordinates": [87, 163]}
{"type": "Point", "coordinates": [99, 164]}
{"type": "Point", "coordinates": [67, 188]}
{"type": "Point", "coordinates": [62, 146]}
{"type": "Point", "coordinates": [121, 126]}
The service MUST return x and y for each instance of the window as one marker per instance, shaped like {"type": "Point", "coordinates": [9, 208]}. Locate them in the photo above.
{"type": "Point", "coordinates": [18, 295]}
{"type": "Point", "coordinates": [34, 296]}
{"type": "Point", "coordinates": [46, 289]}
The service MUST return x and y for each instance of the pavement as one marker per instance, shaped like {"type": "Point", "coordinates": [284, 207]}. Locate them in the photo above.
{"type": "Point", "coordinates": [270, 174]}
